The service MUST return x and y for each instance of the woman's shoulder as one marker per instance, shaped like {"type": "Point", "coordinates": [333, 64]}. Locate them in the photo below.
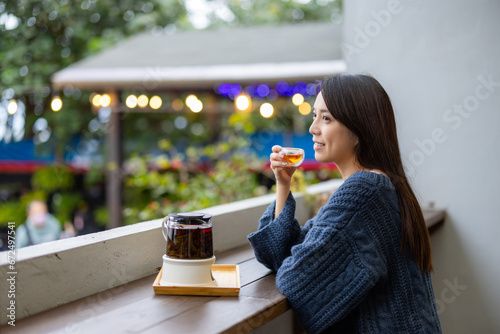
{"type": "Point", "coordinates": [364, 183]}
{"type": "Point", "coordinates": [370, 178]}
{"type": "Point", "coordinates": [358, 190]}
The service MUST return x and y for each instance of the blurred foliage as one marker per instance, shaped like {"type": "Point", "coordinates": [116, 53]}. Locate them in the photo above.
{"type": "Point", "coordinates": [50, 179]}
{"type": "Point", "coordinates": [51, 35]}
{"type": "Point", "coordinates": [183, 174]}
{"type": "Point", "coordinates": [255, 12]}
{"type": "Point", "coordinates": [12, 211]}
{"type": "Point", "coordinates": [201, 177]}
{"type": "Point", "coordinates": [64, 204]}
{"type": "Point", "coordinates": [54, 182]}
{"type": "Point", "coordinates": [15, 211]}
{"type": "Point", "coordinates": [101, 216]}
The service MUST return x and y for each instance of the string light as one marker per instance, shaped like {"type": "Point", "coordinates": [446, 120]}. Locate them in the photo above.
{"type": "Point", "coordinates": [12, 107]}
{"type": "Point", "coordinates": [194, 103]}
{"type": "Point", "coordinates": [191, 100]}
{"type": "Point", "coordinates": [305, 108]}
{"type": "Point", "coordinates": [105, 100]}
{"type": "Point", "coordinates": [131, 101]}
{"type": "Point", "coordinates": [155, 102]}
{"type": "Point", "coordinates": [56, 104]}
{"type": "Point", "coordinates": [197, 107]}
{"type": "Point", "coordinates": [298, 99]}
{"type": "Point", "coordinates": [142, 101]}
{"type": "Point", "coordinates": [96, 100]}
{"type": "Point", "coordinates": [266, 110]}
{"type": "Point", "coordinates": [242, 103]}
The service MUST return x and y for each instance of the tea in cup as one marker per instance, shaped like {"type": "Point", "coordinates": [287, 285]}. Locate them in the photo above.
{"type": "Point", "coordinates": [292, 156]}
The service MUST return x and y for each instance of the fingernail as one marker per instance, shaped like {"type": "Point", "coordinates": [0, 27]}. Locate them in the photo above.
{"type": "Point", "coordinates": [282, 156]}
{"type": "Point", "coordinates": [283, 163]}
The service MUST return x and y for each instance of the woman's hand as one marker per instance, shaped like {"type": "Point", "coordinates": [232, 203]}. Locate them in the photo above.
{"type": "Point", "coordinates": [280, 168]}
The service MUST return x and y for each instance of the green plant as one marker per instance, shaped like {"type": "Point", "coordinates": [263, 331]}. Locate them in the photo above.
{"type": "Point", "coordinates": [101, 216]}
{"type": "Point", "coordinates": [12, 211]}
{"type": "Point", "coordinates": [64, 203]}
{"type": "Point", "coordinates": [204, 176]}
{"type": "Point", "coordinates": [53, 178]}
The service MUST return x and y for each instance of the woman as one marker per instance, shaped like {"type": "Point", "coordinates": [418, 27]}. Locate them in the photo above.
{"type": "Point", "coordinates": [363, 263]}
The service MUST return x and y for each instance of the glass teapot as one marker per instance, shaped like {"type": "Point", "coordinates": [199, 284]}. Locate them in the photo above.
{"type": "Point", "coordinates": [188, 235]}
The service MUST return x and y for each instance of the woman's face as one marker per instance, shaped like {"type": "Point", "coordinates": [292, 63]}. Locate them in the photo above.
{"type": "Point", "coordinates": [333, 142]}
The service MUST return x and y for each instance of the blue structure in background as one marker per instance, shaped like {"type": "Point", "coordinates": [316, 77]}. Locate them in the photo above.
{"type": "Point", "coordinates": [23, 151]}
{"type": "Point", "coordinates": [262, 143]}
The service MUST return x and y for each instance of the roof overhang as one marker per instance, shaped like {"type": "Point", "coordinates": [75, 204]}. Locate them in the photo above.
{"type": "Point", "coordinates": [194, 76]}
{"type": "Point", "coordinates": [201, 59]}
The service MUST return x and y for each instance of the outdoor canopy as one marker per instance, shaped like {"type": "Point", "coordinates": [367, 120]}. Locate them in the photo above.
{"type": "Point", "coordinates": [199, 59]}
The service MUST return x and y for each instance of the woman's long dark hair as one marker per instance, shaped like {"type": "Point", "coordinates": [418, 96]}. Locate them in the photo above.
{"type": "Point", "coordinates": [362, 105]}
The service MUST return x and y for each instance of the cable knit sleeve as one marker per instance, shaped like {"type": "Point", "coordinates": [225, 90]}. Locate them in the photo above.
{"type": "Point", "coordinates": [328, 274]}
{"type": "Point", "coordinates": [273, 241]}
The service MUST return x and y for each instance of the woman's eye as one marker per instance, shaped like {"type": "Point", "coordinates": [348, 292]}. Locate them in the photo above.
{"type": "Point", "coordinates": [325, 118]}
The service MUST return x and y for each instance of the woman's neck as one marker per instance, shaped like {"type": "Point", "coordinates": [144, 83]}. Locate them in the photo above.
{"type": "Point", "coordinates": [346, 169]}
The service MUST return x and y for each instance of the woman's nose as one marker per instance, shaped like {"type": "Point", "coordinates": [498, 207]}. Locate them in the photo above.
{"type": "Point", "coordinates": [313, 129]}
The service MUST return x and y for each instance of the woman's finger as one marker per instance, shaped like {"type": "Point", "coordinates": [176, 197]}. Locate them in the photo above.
{"type": "Point", "coordinates": [276, 156]}
{"type": "Point", "coordinates": [276, 148]}
{"type": "Point", "coordinates": [277, 164]}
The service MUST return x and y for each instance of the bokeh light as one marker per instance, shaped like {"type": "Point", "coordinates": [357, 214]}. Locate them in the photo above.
{"type": "Point", "coordinates": [56, 104]}
{"type": "Point", "coordinates": [311, 89]}
{"type": "Point", "coordinates": [224, 89]}
{"type": "Point", "coordinates": [234, 90]}
{"type": "Point", "coordinates": [301, 87]}
{"type": "Point", "coordinates": [131, 101]}
{"type": "Point", "coordinates": [191, 100]}
{"type": "Point", "coordinates": [155, 102]}
{"type": "Point", "coordinates": [105, 100]}
{"type": "Point", "coordinates": [194, 103]}
{"type": "Point", "coordinates": [281, 88]}
{"type": "Point", "coordinates": [12, 107]}
{"type": "Point", "coordinates": [197, 106]}
{"type": "Point", "coordinates": [96, 100]}
{"type": "Point", "coordinates": [242, 102]}
{"type": "Point", "coordinates": [305, 108]}
{"type": "Point", "coordinates": [197, 129]}
{"type": "Point", "coordinates": [180, 122]}
{"type": "Point", "coordinates": [298, 99]}
{"type": "Point", "coordinates": [266, 110]}
{"type": "Point", "coordinates": [262, 90]}
{"type": "Point", "coordinates": [142, 101]}
{"type": "Point", "coordinates": [177, 105]}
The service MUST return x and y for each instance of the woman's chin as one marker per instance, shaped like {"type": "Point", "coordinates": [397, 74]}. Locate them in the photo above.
{"type": "Point", "coordinates": [320, 158]}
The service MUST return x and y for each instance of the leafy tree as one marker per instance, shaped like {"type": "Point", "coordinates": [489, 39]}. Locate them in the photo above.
{"type": "Point", "coordinates": [41, 37]}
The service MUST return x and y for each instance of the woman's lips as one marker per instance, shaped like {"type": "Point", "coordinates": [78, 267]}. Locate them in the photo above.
{"type": "Point", "coordinates": [318, 146]}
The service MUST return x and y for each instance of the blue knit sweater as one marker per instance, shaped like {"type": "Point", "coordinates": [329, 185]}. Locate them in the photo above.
{"type": "Point", "coordinates": [344, 271]}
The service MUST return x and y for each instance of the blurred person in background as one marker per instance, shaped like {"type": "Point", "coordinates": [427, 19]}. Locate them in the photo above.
{"type": "Point", "coordinates": [40, 226]}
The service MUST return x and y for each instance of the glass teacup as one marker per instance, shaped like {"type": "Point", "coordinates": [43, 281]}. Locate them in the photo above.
{"type": "Point", "coordinates": [292, 156]}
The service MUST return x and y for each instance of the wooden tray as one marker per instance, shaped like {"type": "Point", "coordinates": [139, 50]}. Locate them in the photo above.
{"type": "Point", "coordinates": [226, 275]}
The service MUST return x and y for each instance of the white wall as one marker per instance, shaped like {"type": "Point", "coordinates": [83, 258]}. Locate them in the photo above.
{"type": "Point", "coordinates": [429, 56]}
